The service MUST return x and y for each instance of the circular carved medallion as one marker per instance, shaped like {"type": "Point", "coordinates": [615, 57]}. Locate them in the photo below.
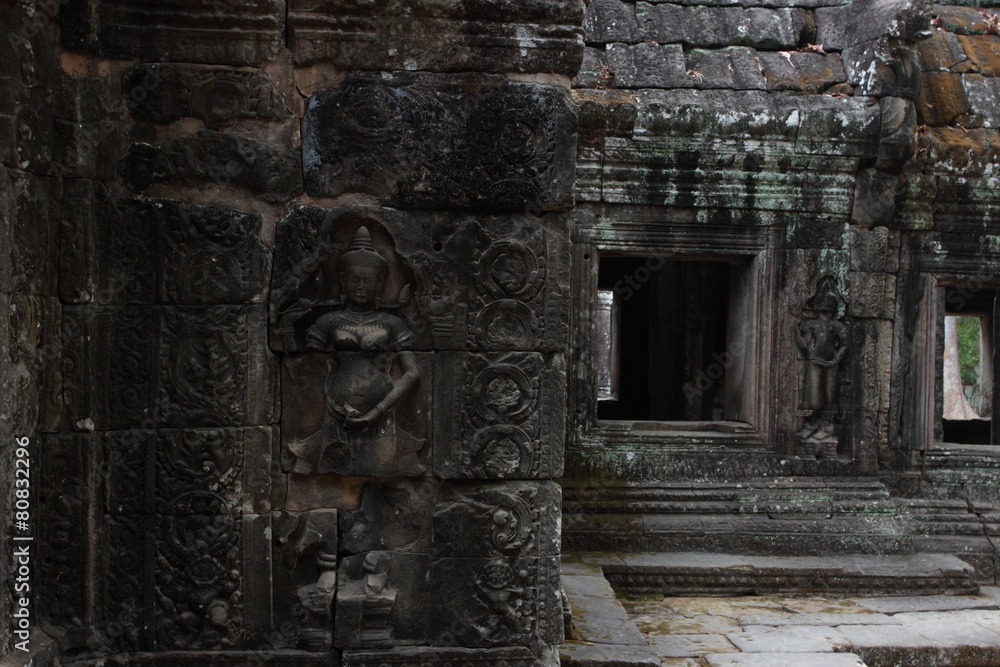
{"type": "Point", "coordinates": [218, 101]}
{"type": "Point", "coordinates": [509, 269]}
{"type": "Point", "coordinates": [506, 325]}
{"type": "Point", "coordinates": [504, 392]}
{"type": "Point", "coordinates": [371, 114]}
{"type": "Point", "coordinates": [502, 452]}
{"type": "Point", "coordinates": [497, 575]}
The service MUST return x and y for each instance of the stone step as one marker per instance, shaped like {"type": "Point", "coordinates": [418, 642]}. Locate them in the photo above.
{"type": "Point", "coordinates": [679, 574]}
{"type": "Point", "coordinates": [788, 517]}
{"type": "Point", "coordinates": [600, 633]}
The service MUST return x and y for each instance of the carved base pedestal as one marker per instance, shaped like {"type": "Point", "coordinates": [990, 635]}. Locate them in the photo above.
{"type": "Point", "coordinates": [817, 439]}
{"type": "Point", "coordinates": [515, 656]}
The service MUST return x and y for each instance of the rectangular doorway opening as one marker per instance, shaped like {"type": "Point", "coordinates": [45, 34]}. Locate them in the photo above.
{"type": "Point", "coordinates": [967, 379]}
{"type": "Point", "coordinates": [663, 339]}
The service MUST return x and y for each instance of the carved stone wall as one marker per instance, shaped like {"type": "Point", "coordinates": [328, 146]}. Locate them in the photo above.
{"type": "Point", "coordinates": [192, 342]}
{"type": "Point", "coordinates": [753, 135]}
{"type": "Point", "coordinates": [852, 149]}
{"type": "Point", "coordinates": [483, 301]}
{"type": "Point", "coordinates": [301, 300]}
{"type": "Point", "coordinates": [29, 331]}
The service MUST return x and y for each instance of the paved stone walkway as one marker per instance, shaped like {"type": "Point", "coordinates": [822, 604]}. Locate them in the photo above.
{"type": "Point", "coordinates": [780, 631]}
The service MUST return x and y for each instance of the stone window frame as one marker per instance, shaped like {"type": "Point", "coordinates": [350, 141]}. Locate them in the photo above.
{"type": "Point", "coordinates": [753, 249]}
{"type": "Point", "coordinates": [922, 411]}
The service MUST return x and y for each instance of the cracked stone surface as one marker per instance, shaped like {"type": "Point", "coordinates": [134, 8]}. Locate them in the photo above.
{"type": "Point", "coordinates": [820, 631]}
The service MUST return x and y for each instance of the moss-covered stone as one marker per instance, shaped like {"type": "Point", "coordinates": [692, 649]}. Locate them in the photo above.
{"type": "Point", "coordinates": [942, 98]}
{"type": "Point", "coordinates": [955, 150]}
{"type": "Point", "coordinates": [784, 28]}
{"type": "Point", "coordinates": [737, 68]}
{"type": "Point", "coordinates": [943, 52]}
{"type": "Point", "coordinates": [799, 71]}
{"type": "Point", "coordinates": [983, 51]}
{"type": "Point", "coordinates": [983, 93]}
{"type": "Point", "coordinates": [964, 20]}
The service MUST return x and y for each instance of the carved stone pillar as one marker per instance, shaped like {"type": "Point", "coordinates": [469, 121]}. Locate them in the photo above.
{"type": "Point", "coordinates": [423, 347]}
{"type": "Point", "coordinates": [366, 203]}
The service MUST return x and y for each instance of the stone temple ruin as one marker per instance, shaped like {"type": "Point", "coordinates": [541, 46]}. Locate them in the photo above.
{"type": "Point", "coordinates": [334, 325]}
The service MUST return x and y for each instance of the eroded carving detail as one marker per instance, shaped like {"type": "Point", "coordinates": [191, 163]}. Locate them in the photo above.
{"type": "Point", "coordinates": [370, 590]}
{"type": "Point", "coordinates": [501, 588]}
{"type": "Point", "coordinates": [360, 433]}
{"type": "Point", "coordinates": [497, 519]}
{"type": "Point", "coordinates": [394, 515]}
{"type": "Point", "coordinates": [527, 37]}
{"type": "Point", "coordinates": [510, 276]}
{"type": "Point", "coordinates": [372, 599]}
{"type": "Point", "coordinates": [823, 340]}
{"type": "Point", "coordinates": [163, 93]}
{"type": "Point", "coordinates": [207, 459]}
{"type": "Point", "coordinates": [226, 159]}
{"type": "Point", "coordinates": [512, 602]}
{"type": "Point", "coordinates": [248, 33]}
{"type": "Point", "coordinates": [205, 375]}
{"type": "Point", "coordinates": [318, 534]}
{"type": "Point", "coordinates": [63, 537]}
{"type": "Point", "coordinates": [125, 627]}
{"type": "Point", "coordinates": [197, 575]}
{"type": "Point", "coordinates": [422, 141]}
{"type": "Point", "coordinates": [438, 297]}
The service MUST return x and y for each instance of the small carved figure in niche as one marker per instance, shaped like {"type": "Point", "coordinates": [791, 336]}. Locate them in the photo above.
{"type": "Point", "coordinates": [823, 340]}
{"type": "Point", "coordinates": [497, 587]}
{"type": "Point", "coordinates": [314, 537]}
{"type": "Point", "coordinates": [366, 600]}
{"type": "Point", "coordinates": [359, 434]}
{"type": "Point", "coordinates": [376, 607]}
{"type": "Point", "coordinates": [317, 605]}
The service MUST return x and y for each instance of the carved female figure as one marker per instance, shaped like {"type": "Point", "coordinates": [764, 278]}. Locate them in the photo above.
{"type": "Point", "coordinates": [360, 435]}
{"type": "Point", "coordinates": [824, 341]}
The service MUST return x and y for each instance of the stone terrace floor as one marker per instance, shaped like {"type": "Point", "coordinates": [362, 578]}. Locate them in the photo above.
{"type": "Point", "coordinates": [775, 630]}
{"type": "Point", "coordinates": [781, 631]}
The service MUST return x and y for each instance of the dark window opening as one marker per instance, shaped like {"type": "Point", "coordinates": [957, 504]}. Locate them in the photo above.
{"type": "Point", "coordinates": [967, 366]}
{"type": "Point", "coordinates": [664, 341]}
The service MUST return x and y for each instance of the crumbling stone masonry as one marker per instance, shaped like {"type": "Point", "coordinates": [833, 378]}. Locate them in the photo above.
{"type": "Point", "coordinates": [333, 324]}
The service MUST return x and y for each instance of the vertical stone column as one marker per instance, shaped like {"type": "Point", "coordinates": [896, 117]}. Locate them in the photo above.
{"type": "Point", "coordinates": [157, 494]}
{"type": "Point", "coordinates": [30, 350]}
{"type": "Point", "coordinates": [448, 512]}
{"type": "Point", "coordinates": [449, 515]}
{"type": "Point", "coordinates": [423, 520]}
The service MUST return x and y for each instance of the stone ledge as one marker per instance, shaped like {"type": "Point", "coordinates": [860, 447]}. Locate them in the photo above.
{"type": "Point", "coordinates": [989, 599]}
{"type": "Point", "coordinates": [784, 660]}
{"type": "Point", "coordinates": [578, 654]}
{"type": "Point", "coordinates": [603, 634]}
{"type": "Point", "coordinates": [720, 574]}
{"type": "Point", "coordinates": [277, 658]}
